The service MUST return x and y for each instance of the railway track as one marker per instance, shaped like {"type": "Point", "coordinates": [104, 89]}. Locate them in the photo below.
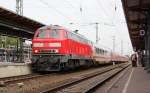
{"type": "Point", "coordinates": [85, 83]}
{"type": "Point", "coordinates": [8, 80]}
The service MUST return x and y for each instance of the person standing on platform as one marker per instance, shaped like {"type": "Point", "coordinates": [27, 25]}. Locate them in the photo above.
{"type": "Point", "coordinates": [142, 58]}
{"type": "Point", "coordinates": [134, 60]}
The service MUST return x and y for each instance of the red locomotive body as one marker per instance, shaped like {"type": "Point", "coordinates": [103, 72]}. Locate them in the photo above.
{"type": "Point", "coordinates": [55, 48]}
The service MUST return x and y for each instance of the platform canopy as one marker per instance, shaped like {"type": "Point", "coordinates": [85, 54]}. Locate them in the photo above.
{"type": "Point", "coordinates": [16, 25]}
{"type": "Point", "coordinates": [136, 16]}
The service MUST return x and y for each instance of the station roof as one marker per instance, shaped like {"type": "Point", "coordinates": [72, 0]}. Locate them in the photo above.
{"type": "Point", "coordinates": [135, 12]}
{"type": "Point", "coordinates": [17, 25]}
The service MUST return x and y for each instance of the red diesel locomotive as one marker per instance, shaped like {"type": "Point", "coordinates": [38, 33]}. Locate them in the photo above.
{"type": "Point", "coordinates": [55, 48]}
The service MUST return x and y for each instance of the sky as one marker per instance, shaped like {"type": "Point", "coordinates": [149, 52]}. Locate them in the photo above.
{"type": "Point", "coordinates": [82, 15]}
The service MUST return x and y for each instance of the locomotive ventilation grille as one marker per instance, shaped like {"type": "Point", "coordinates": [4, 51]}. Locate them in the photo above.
{"type": "Point", "coordinates": [48, 51]}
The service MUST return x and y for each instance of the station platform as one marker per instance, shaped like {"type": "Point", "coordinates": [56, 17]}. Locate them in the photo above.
{"type": "Point", "coordinates": [9, 69]}
{"type": "Point", "coordinates": [136, 80]}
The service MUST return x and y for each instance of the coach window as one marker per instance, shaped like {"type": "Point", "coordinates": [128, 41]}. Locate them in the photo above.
{"type": "Point", "coordinates": [96, 50]}
{"type": "Point", "coordinates": [99, 51]}
{"type": "Point", "coordinates": [103, 52]}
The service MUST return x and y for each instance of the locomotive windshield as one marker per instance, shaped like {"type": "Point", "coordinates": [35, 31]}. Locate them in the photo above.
{"type": "Point", "coordinates": [41, 33]}
{"type": "Point", "coordinates": [54, 33]}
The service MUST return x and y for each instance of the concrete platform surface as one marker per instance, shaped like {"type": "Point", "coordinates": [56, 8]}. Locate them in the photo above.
{"type": "Point", "coordinates": [136, 80]}
{"type": "Point", "coordinates": [14, 69]}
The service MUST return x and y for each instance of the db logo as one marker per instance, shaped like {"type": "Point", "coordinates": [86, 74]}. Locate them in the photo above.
{"type": "Point", "coordinates": [142, 32]}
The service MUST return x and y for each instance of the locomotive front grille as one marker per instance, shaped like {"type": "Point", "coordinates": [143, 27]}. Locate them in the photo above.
{"type": "Point", "coordinates": [49, 51]}
{"type": "Point", "coordinates": [46, 51]}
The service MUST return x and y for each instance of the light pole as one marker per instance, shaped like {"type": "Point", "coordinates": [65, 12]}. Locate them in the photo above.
{"type": "Point", "coordinates": [97, 36]}
{"type": "Point", "coordinates": [19, 7]}
{"type": "Point", "coordinates": [121, 47]}
{"type": "Point", "coordinates": [113, 43]}
{"type": "Point", "coordinates": [97, 28]}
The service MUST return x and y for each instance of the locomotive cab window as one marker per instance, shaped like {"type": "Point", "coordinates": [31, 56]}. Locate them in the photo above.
{"type": "Point", "coordinates": [41, 33]}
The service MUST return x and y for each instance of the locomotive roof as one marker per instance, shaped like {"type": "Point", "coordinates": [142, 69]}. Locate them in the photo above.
{"type": "Point", "coordinates": [61, 27]}
{"type": "Point", "coordinates": [78, 35]}
{"type": "Point", "coordinates": [51, 27]}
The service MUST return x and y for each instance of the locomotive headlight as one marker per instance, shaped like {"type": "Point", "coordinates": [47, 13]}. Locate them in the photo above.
{"type": "Point", "coordinates": [35, 51]}
{"type": "Point", "coordinates": [56, 50]}
{"type": "Point", "coordinates": [38, 44]}
{"type": "Point", "coordinates": [55, 44]}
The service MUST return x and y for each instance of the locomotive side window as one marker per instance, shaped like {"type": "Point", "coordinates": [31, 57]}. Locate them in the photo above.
{"type": "Point", "coordinates": [66, 34]}
{"type": "Point", "coordinates": [76, 37]}
{"type": "Point", "coordinates": [41, 33]}
{"type": "Point", "coordinates": [54, 33]}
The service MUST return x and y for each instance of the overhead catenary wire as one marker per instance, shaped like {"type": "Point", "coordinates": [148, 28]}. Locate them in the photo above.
{"type": "Point", "coordinates": [77, 9]}
{"type": "Point", "coordinates": [57, 11]}
{"type": "Point", "coordinates": [113, 17]}
{"type": "Point", "coordinates": [103, 21]}
{"type": "Point", "coordinates": [64, 15]}
{"type": "Point", "coordinates": [101, 6]}
{"type": "Point", "coordinates": [69, 4]}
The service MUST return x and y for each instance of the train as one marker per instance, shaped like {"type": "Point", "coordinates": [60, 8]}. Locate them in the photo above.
{"type": "Point", "coordinates": [55, 48]}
